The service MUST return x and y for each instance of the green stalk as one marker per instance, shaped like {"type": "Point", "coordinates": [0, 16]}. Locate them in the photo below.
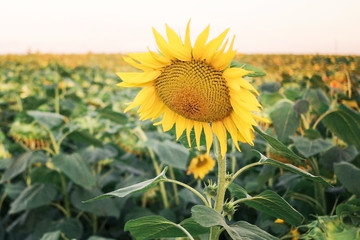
{"type": "Point", "coordinates": [319, 188]}
{"type": "Point", "coordinates": [176, 195]}
{"type": "Point", "coordinates": [233, 158]}
{"type": "Point", "coordinates": [57, 100]}
{"type": "Point", "coordinates": [193, 190]}
{"type": "Point", "coordinates": [66, 196]}
{"type": "Point", "coordinates": [222, 186]}
{"type": "Point", "coordinates": [162, 185]}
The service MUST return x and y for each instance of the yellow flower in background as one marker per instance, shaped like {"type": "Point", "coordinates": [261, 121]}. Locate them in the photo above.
{"type": "Point", "coordinates": [201, 165]}
{"type": "Point", "coordinates": [193, 87]}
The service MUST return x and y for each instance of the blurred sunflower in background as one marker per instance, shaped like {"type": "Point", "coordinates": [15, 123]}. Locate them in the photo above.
{"type": "Point", "coordinates": [194, 87]}
{"type": "Point", "coordinates": [201, 165]}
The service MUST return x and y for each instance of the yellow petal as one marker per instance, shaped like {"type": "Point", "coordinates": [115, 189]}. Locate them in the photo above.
{"type": "Point", "coordinates": [163, 45]}
{"type": "Point", "coordinates": [136, 79]}
{"type": "Point", "coordinates": [168, 119]}
{"type": "Point", "coordinates": [198, 130]}
{"type": "Point", "coordinates": [208, 136]}
{"type": "Point", "coordinates": [173, 37]}
{"type": "Point", "coordinates": [187, 42]}
{"type": "Point", "coordinates": [235, 75]}
{"type": "Point", "coordinates": [200, 43]}
{"type": "Point", "coordinates": [146, 59]}
{"type": "Point", "coordinates": [160, 58]}
{"type": "Point", "coordinates": [138, 65]}
{"type": "Point", "coordinates": [141, 97]}
{"type": "Point", "coordinates": [222, 61]}
{"type": "Point", "coordinates": [220, 132]}
{"type": "Point", "coordinates": [231, 128]}
{"type": "Point", "coordinates": [212, 47]}
{"type": "Point", "coordinates": [180, 126]}
{"type": "Point", "coordinates": [189, 127]}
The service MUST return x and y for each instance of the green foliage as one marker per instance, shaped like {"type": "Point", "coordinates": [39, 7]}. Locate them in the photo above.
{"type": "Point", "coordinates": [65, 139]}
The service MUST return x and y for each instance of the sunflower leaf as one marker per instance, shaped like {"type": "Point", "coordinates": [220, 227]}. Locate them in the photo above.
{"type": "Point", "coordinates": [139, 187]}
{"type": "Point", "coordinates": [290, 167]}
{"type": "Point", "coordinates": [255, 72]}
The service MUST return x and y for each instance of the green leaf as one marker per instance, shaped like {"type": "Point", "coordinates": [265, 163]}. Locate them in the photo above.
{"type": "Point", "coordinates": [116, 117]}
{"type": "Point", "coordinates": [256, 72]}
{"type": "Point", "coordinates": [152, 227]}
{"type": "Point", "coordinates": [139, 187]}
{"type": "Point", "coordinates": [250, 232]}
{"type": "Point", "coordinates": [270, 99]}
{"type": "Point", "coordinates": [84, 137]}
{"type": "Point", "coordinates": [32, 197]}
{"type": "Point", "coordinates": [22, 163]}
{"type": "Point", "coordinates": [238, 191]}
{"type": "Point", "coordinates": [51, 236]}
{"type": "Point", "coordinates": [170, 153]}
{"type": "Point", "coordinates": [279, 146]}
{"type": "Point", "coordinates": [348, 174]}
{"type": "Point", "coordinates": [71, 227]}
{"type": "Point", "coordinates": [345, 124]}
{"type": "Point", "coordinates": [74, 167]}
{"type": "Point", "coordinates": [105, 208]}
{"type": "Point", "coordinates": [17, 167]}
{"type": "Point", "coordinates": [309, 147]}
{"type": "Point", "coordinates": [285, 120]}
{"type": "Point", "coordinates": [301, 106]}
{"type": "Point", "coordinates": [337, 154]}
{"type": "Point", "coordinates": [99, 238]}
{"type": "Point", "coordinates": [208, 217]}
{"type": "Point", "coordinates": [47, 119]}
{"type": "Point", "coordinates": [290, 167]}
{"type": "Point", "coordinates": [274, 205]}
{"type": "Point", "coordinates": [94, 154]}
{"type": "Point", "coordinates": [318, 100]}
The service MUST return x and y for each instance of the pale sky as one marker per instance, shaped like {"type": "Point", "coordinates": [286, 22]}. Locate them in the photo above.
{"type": "Point", "coordinates": [120, 26]}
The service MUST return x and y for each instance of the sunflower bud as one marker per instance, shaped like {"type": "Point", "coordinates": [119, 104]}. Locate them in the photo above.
{"type": "Point", "coordinates": [229, 209]}
{"type": "Point", "coordinates": [211, 189]}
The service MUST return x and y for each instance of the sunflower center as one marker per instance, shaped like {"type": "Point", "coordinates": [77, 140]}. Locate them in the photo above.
{"type": "Point", "coordinates": [194, 90]}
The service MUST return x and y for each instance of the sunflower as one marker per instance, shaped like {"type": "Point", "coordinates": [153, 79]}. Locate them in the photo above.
{"type": "Point", "coordinates": [194, 88]}
{"type": "Point", "coordinates": [201, 165]}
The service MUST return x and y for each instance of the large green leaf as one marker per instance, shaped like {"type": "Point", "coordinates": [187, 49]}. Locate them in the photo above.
{"type": "Point", "coordinates": [309, 147]}
{"type": "Point", "coordinates": [255, 71]}
{"type": "Point", "coordinates": [170, 153]}
{"type": "Point", "coordinates": [279, 146]}
{"type": "Point", "coordinates": [22, 163]}
{"type": "Point", "coordinates": [116, 117]}
{"type": "Point", "coordinates": [208, 217]}
{"type": "Point", "coordinates": [139, 187]}
{"type": "Point", "coordinates": [291, 168]}
{"type": "Point", "coordinates": [84, 137]}
{"type": "Point", "coordinates": [269, 99]}
{"type": "Point", "coordinates": [106, 208]}
{"type": "Point", "coordinates": [47, 119]}
{"type": "Point", "coordinates": [344, 123]}
{"type": "Point", "coordinates": [318, 100]}
{"type": "Point", "coordinates": [32, 197]}
{"type": "Point", "coordinates": [75, 168]}
{"type": "Point", "coordinates": [152, 227]}
{"type": "Point", "coordinates": [250, 232]}
{"type": "Point", "coordinates": [284, 119]}
{"type": "Point", "coordinates": [348, 175]}
{"type": "Point", "coordinates": [51, 235]}
{"type": "Point", "coordinates": [272, 204]}
{"type": "Point", "coordinates": [268, 202]}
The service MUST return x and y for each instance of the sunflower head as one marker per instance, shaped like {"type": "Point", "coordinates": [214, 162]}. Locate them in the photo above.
{"type": "Point", "coordinates": [194, 88]}
{"type": "Point", "coordinates": [201, 165]}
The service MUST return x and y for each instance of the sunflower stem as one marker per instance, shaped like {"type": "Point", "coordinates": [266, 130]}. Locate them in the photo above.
{"type": "Point", "coordinates": [161, 184]}
{"type": "Point", "coordinates": [176, 195]}
{"type": "Point", "coordinates": [222, 186]}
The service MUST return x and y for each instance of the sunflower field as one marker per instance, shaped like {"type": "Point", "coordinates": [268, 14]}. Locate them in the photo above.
{"type": "Point", "coordinates": [75, 165]}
